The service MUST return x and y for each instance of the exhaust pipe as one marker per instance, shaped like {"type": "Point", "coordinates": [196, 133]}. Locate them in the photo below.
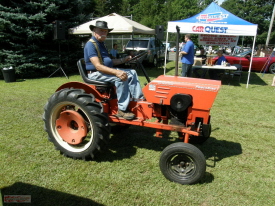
{"type": "Point", "coordinates": [177, 52]}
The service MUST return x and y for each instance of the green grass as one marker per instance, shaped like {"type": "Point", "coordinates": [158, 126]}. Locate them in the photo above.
{"type": "Point", "coordinates": [239, 154]}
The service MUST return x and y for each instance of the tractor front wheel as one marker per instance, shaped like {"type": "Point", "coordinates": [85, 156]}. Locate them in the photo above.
{"type": "Point", "coordinates": [182, 163]}
{"type": "Point", "coordinates": [76, 124]}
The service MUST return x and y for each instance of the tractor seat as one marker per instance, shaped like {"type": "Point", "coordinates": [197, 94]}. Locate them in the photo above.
{"type": "Point", "coordinates": [83, 72]}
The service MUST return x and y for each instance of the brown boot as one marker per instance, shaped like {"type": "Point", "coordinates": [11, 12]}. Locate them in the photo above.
{"type": "Point", "coordinates": [126, 115]}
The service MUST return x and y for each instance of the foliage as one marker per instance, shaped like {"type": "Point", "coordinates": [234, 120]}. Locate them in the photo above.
{"type": "Point", "coordinates": [257, 12]}
{"type": "Point", "coordinates": [26, 35]}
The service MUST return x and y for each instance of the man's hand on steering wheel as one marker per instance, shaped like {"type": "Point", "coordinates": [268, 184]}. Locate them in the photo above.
{"type": "Point", "coordinates": [127, 58]}
{"type": "Point", "coordinates": [132, 59]}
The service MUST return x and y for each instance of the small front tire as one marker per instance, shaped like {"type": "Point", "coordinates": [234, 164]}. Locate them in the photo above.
{"type": "Point", "coordinates": [182, 163]}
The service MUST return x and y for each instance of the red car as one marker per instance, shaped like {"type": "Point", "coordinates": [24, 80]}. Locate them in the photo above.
{"type": "Point", "coordinates": [259, 64]}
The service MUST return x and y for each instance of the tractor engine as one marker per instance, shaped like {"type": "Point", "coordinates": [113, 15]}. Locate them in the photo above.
{"type": "Point", "coordinates": [188, 100]}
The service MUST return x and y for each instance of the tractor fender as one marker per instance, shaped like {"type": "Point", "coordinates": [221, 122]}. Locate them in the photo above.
{"type": "Point", "coordinates": [88, 88]}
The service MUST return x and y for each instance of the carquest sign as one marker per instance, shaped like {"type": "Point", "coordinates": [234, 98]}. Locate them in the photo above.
{"type": "Point", "coordinates": [210, 29]}
{"type": "Point", "coordinates": [214, 20]}
{"type": "Point", "coordinates": [217, 39]}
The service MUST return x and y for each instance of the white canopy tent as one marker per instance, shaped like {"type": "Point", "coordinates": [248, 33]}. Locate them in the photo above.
{"type": "Point", "coordinates": [121, 25]}
{"type": "Point", "coordinates": [215, 20]}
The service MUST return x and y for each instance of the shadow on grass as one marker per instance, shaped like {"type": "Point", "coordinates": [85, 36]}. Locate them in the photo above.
{"type": "Point", "coordinates": [124, 144]}
{"type": "Point", "coordinates": [216, 150]}
{"type": "Point", "coordinates": [43, 196]}
{"type": "Point", "coordinates": [254, 79]}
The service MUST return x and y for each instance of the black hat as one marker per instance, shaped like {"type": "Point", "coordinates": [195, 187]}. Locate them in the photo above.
{"type": "Point", "coordinates": [101, 25]}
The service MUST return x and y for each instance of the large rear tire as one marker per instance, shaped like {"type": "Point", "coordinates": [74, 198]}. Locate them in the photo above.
{"type": "Point", "coordinates": [182, 163]}
{"type": "Point", "coordinates": [76, 124]}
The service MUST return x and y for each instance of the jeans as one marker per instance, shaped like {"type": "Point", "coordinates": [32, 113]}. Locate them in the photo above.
{"type": "Point", "coordinates": [125, 89]}
{"type": "Point", "coordinates": [186, 70]}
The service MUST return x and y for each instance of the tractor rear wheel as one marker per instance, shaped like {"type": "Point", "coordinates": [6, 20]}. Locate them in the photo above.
{"type": "Point", "coordinates": [76, 124]}
{"type": "Point", "coordinates": [182, 163]}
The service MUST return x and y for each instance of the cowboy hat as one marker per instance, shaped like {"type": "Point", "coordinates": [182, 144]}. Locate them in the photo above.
{"type": "Point", "coordinates": [101, 25]}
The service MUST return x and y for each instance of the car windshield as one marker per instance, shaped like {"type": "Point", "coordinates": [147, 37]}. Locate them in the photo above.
{"type": "Point", "coordinates": [138, 43]}
{"type": "Point", "coordinates": [243, 53]}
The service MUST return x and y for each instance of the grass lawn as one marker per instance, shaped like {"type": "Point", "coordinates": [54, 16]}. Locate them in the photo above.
{"type": "Point", "coordinates": [239, 154]}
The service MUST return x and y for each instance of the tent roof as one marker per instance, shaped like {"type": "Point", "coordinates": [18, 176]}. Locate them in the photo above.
{"type": "Point", "coordinates": [214, 20]}
{"type": "Point", "coordinates": [121, 25]}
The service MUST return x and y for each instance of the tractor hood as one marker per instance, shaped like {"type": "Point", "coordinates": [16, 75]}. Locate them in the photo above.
{"type": "Point", "coordinates": [162, 89]}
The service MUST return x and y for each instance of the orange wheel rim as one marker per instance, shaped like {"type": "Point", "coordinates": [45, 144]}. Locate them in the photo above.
{"type": "Point", "coordinates": [71, 126]}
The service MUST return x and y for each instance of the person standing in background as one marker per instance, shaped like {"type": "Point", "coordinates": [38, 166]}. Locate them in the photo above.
{"type": "Point", "coordinates": [187, 56]}
{"type": "Point", "coordinates": [113, 52]}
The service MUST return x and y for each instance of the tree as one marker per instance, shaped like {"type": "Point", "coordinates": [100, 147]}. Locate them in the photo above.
{"type": "Point", "coordinates": [26, 26]}
{"type": "Point", "coordinates": [26, 34]}
{"type": "Point", "coordinates": [105, 7]}
{"type": "Point", "coordinates": [257, 12]}
{"type": "Point", "coordinates": [126, 7]}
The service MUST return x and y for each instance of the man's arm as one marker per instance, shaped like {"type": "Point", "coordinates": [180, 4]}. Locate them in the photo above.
{"type": "Point", "coordinates": [121, 60]}
{"type": "Point", "coordinates": [107, 70]}
{"type": "Point", "coordinates": [182, 53]}
{"type": "Point", "coordinates": [185, 49]}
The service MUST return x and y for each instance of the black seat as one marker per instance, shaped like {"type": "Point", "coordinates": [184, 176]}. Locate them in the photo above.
{"type": "Point", "coordinates": [238, 72]}
{"type": "Point", "coordinates": [83, 72]}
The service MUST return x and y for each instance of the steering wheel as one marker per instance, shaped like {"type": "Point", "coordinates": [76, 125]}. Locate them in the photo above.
{"type": "Point", "coordinates": [139, 64]}
{"type": "Point", "coordinates": [136, 57]}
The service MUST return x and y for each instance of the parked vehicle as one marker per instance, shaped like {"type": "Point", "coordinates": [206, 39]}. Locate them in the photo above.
{"type": "Point", "coordinates": [174, 49]}
{"type": "Point", "coordinates": [168, 46]}
{"type": "Point", "coordinates": [155, 48]}
{"type": "Point", "coordinates": [244, 49]}
{"type": "Point", "coordinates": [259, 64]}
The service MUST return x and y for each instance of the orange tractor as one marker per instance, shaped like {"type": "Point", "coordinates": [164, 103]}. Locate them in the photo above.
{"type": "Point", "coordinates": [78, 116]}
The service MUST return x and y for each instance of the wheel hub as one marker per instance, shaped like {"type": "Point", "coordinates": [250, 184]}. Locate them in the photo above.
{"type": "Point", "coordinates": [181, 165]}
{"type": "Point", "coordinates": [71, 127]}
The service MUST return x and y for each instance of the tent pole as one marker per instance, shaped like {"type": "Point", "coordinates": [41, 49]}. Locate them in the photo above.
{"type": "Point", "coordinates": [270, 27]}
{"type": "Point", "coordinates": [252, 53]}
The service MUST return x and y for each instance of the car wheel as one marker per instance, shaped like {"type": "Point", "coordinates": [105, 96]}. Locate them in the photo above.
{"type": "Point", "coordinates": [155, 62]}
{"type": "Point", "coordinates": [272, 68]}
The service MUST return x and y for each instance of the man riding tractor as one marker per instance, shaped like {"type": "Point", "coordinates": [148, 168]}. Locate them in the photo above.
{"type": "Point", "coordinates": [78, 116]}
